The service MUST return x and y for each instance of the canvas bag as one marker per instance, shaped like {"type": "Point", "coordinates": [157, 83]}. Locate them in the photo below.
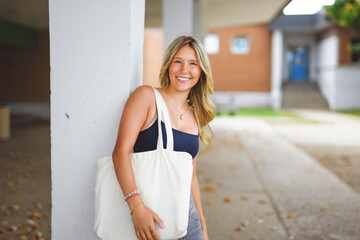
{"type": "Point", "coordinates": [163, 177]}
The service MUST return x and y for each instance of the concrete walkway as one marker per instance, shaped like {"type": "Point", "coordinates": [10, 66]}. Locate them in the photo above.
{"type": "Point", "coordinates": [256, 184]}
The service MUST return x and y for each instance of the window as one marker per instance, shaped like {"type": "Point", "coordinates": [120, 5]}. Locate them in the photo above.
{"type": "Point", "coordinates": [240, 45]}
{"type": "Point", "coordinates": [355, 50]}
{"type": "Point", "coordinates": [211, 43]}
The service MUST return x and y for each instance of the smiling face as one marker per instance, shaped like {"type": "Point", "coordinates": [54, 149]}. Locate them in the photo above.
{"type": "Point", "coordinates": [184, 70]}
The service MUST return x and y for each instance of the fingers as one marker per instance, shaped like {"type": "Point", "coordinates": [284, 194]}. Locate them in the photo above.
{"type": "Point", "coordinates": [138, 235]}
{"type": "Point", "coordinates": [148, 235]}
{"type": "Point", "coordinates": [158, 221]}
{"type": "Point", "coordinates": [155, 234]}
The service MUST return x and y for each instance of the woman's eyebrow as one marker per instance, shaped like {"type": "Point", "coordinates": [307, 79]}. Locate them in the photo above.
{"type": "Point", "coordinates": [192, 60]}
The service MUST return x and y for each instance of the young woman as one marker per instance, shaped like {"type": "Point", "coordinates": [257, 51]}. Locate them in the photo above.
{"type": "Point", "coordinates": [186, 85]}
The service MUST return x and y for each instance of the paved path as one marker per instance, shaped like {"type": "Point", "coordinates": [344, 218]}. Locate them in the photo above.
{"type": "Point", "coordinates": [256, 184]}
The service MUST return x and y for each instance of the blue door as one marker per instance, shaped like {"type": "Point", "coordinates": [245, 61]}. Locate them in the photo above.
{"type": "Point", "coordinates": [298, 65]}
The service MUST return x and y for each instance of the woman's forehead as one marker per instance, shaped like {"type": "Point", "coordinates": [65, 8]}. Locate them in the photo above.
{"type": "Point", "coordinates": [186, 52]}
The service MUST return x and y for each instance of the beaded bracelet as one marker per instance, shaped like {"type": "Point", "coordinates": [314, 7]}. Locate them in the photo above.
{"type": "Point", "coordinates": [130, 194]}
{"type": "Point", "coordinates": [133, 195]}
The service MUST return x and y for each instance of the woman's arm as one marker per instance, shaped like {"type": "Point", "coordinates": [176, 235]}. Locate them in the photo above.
{"type": "Point", "coordinates": [132, 121]}
{"type": "Point", "coordinates": [195, 190]}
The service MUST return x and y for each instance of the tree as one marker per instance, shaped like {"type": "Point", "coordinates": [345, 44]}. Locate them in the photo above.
{"type": "Point", "coordinates": [345, 13]}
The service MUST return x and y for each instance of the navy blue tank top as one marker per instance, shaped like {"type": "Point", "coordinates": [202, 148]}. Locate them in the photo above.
{"type": "Point", "coordinates": [183, 142]}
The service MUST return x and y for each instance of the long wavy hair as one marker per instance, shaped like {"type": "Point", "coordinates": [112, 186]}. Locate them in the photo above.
{"type": "Point", "coordinates": [199, 95]}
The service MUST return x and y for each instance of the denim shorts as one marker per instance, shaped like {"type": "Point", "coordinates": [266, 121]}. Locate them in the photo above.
{"type": "Point", "coordinates": [194, 230]}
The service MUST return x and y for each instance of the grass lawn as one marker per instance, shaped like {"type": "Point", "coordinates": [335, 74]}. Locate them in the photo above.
{"type": "Point", "coordinates": [355, 112]}
{"type": "Point", "coordinates": [259, 112]}
{"type": "Point", "coordinates": [270, 116]}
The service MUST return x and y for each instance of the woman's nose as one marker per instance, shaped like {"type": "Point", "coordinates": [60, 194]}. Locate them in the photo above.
{"type": "Point", "coordinates": [185, 68]}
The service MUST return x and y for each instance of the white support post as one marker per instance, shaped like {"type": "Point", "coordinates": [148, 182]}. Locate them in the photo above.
{"type": "Point", "coordinates": [96, 60]}
{"type": "Point", "coordinates": [177, 19]}
{"type": "Point", "coordinates": [197, 20]}
{"type": "Point", "coordinates": [276, 68]}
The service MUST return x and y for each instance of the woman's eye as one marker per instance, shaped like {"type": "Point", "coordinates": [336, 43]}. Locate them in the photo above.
{"type": "Point", "coordinates": [177, 61]}
{"type": "Point", "coordinates": [193, 63]}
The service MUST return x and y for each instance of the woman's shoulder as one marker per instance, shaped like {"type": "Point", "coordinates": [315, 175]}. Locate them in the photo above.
{"type": "Point", "coordinates": [143, 93]}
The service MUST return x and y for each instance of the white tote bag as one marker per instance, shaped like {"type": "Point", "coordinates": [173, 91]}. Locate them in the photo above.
{"type": "Point", "coordinates": [163, 178]}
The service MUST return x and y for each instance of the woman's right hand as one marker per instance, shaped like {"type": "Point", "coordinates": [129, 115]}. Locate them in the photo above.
{"type": "Point", "coordinates": [143, 219]}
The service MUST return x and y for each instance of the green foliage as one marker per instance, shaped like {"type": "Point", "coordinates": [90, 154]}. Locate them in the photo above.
{"type": "Point", "coordinates": [354, 48]}
{"type": "Point", "coordinates": [345, 13]}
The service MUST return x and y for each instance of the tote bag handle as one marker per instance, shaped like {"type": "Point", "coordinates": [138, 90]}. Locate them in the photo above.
{"type": "Point", "coordinates": [163, 112]}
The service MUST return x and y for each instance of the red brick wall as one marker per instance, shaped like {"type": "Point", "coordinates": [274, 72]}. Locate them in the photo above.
{"type": "Point", "coordinates": [250, 72]}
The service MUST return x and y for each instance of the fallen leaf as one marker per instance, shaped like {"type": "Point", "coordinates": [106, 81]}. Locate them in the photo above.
{"type": "Point", "coordinates": [210, 189]}
{"type": "Point", "coordinates": [208, 180]}
{"type": "Point", "coordinates": [337, 214]}
{"type": "Point", "coordinates": [245, 224]}
{"type": "Point", "coordinates": [15, 206]}
{"type": "Point", "coordinates": [38, 204]}
{"type": "Point", "coordinates": [245, 197]}
{"type": "Point", "coordinates": [292, 215]}
{"type": "Point", "coordinates": [3, 208]}
{"type": "Point", "coordinates": [238, 229]}
{"type": "Point", "coordinates": [333, 204]}
{"type": "Point", "coordinates": [255, 238]}
{"type": "Point", "coordinates": [36, 215]}
{"type": "Point", "coordinates": [262, 202]}
{"type": "Point", "coordinates": [323, 209]}
{"type": "Point", "coordinates": [260, 221]}
{"type": "Point", "coordinates": [2, 230]}
{"type": "Point", "coordinates": [32, 223]}
{"type": "Point", "coordinates": [38, 234]}
{"type": "Point", "coordinates": [209, 202]}
{"type": "Point", "coordinates": [273, 228]}
{"type": "Point", "coordinates": [13, 228]}
{"type": "Point", "coordinates": [227, 200]}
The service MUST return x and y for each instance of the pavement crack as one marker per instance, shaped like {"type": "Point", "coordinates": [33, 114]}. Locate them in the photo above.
{"type": "Point", "coordinates": [268, 193]}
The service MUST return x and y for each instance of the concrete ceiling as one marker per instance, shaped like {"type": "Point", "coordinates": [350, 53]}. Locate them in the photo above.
{"type": "Point", "coordinates": [216, 13]}
{"type": "Point", "coordinates": [230, 13]}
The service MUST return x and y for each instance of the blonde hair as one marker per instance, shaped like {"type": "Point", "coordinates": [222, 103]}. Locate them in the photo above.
{"type": "Point", "coordinates": [199, 95]}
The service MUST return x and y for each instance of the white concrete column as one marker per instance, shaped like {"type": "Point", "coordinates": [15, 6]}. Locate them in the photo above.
{"type": "Point", "coordinates": [276, 67]}
{"type": "Point", "coordinates": [177, 19]}
{"type": "Point", "coordinates": [197, 20]}
{"type": "Point", "coordinates": [96, 60]}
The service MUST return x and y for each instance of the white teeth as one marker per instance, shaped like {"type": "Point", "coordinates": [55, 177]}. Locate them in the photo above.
{"type": "Point", "coordinates": [183, 79]}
